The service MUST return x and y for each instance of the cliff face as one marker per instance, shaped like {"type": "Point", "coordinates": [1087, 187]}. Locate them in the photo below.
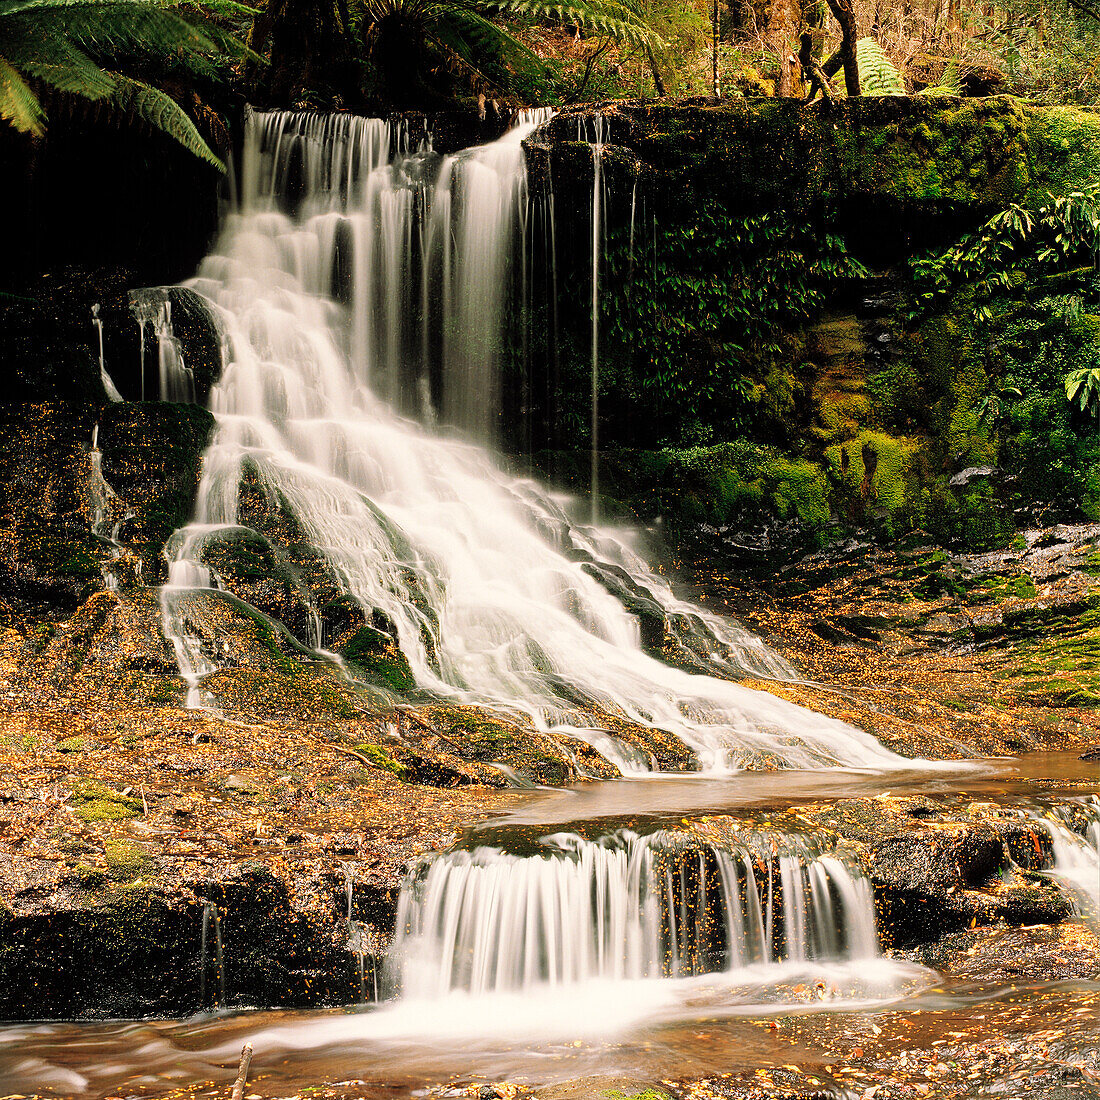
{"type": "Point", "coordinates": [919, 154]}
{"type": "Point", "coordinates": [851, 315]}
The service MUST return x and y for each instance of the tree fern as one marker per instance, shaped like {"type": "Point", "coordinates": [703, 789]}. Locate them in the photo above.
{"type": "Point", "coordinates": [601, 16]}
{"type": "Point", "coordinates": [877, 73]}
{"type": "Point", "coordinates": [63, 44]}
{"type": "Point", "coordinates": [949, 84]}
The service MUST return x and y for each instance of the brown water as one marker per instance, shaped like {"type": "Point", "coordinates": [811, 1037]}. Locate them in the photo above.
{"type": "Point", "coordinates": [845, 1028]}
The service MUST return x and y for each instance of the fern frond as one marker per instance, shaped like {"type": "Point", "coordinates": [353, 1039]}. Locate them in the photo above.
{"type": "Point", "coordinates": [147, 27]}
{"type": "Point", "coordinates": [163, 113]}
{"type": "Point", "coordinates": [465, 33]}
{"type": "Point", "coordinates": [601, 16]}
{"type": "Point", "coordinates": [18, 104]}
{"type": "Point", "coordinates": [58, 62]}
{"type": "Point", "coordinates": [877, 74]}
{"type": "Point", "coordinates": [950, 83]}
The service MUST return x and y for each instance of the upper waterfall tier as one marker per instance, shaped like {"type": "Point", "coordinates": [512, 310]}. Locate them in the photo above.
{"type": "Point", "coordinates": [362, 283]}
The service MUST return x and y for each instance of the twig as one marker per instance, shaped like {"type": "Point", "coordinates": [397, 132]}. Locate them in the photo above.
{"type": "Point", "coordinates": [242, 1072]}
{"type": "Point", "coordinates": [351, 752]}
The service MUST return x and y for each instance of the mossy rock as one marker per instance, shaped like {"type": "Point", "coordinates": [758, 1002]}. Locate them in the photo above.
{"type": "Point", "coordinates": [126, 859]}
{"type": "Point", "coordinates": [152, 459]}
{"type": "Point", "coordinates": [379, 658]}
{"type": "Point", "coordinates": [239, 553]}
{"type": "Point", "coordinates": [384, 761]}
{"type": "Point", "coordinates": [908, 152]}
{"type": "Point", "coordinates": [1063, 150]}
{"type": "Point", "coordinates": [47, 550]}
{"type": "Point", "coordinates": [94, 801]}
{"type": "Point", "coordinates": [877, 473]}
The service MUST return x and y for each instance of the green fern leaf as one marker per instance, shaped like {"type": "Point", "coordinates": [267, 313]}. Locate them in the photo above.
{"type": "Point", "coordinates": [877, 74]}
{"type": "Point", "coordinates": [163, 113]}
{"type": "Point", "coordinates": [18, 104]}
{"type": "Point", "coordinates": [600, 16]}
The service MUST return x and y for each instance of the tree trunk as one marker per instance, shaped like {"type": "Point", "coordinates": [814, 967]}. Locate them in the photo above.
{"type": "Point", "coordinates": [658, 83]}
{"type": "Point", "coordinates": [846, 55]}
{"type": "Point", "coordinates": [784, 20]}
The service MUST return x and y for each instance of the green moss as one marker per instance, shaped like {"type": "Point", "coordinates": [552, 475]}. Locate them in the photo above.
{"type": "Point", "coordinates": [876, 471]}
{"type": "Point", "coordinates": [1063, 150]}
{"type": "Point", "coordinates": [378, 656]}
{"type": "Point", "coordinates": [89, 877]}
{"type": "Point", "coordinates": [73, 744]}
{"type": "Point", "coordinates": [240, 554]}
{"type": "Point", "coordinates": [126, 860]}
{"type": "Point", "coordinates": [94, 801]}
{"type": "Point", "coordinates": [382, 759]}
{"type": "Point", "coordinates": [742, 482]}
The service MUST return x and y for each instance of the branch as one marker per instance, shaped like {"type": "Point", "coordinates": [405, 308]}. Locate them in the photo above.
{"type": "Point", "coordinates": [242, 1072]}
{"type": "Point", "coordinates": [1088, 9]}
{"type": "Point", "coordinates": [588, 68]}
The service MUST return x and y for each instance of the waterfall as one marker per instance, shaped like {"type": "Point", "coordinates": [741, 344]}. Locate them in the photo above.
{"type": "Point", "coordinates": [598, 203]}
{"type": "Point", "coordinates": [107, 516]}
{"type": "Point", "coordinates": [1074, 830]}
{"type": "Point", "coordinates": [105, 378]}
{"type": "Point", "coordinates": [211, 916]}
{"type": "Point", "coordinates": [152, 306]}
{"type": "Point", "coordinates": [626, 908]}
{"type": "Point", "coordinates": [363, 277]}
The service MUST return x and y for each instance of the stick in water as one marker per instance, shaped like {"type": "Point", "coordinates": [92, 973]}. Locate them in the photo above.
{"type": "Point", "coordinates": [242, 1072]}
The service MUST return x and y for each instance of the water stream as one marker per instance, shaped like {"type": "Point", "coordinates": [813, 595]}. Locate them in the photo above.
{"type": "Point", "coordinates": [633, 954]}
{"type": "Point", "coordinates": [361, 286]}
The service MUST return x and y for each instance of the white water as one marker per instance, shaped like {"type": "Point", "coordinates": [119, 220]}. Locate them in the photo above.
{"type": "Point", "coordinates": [105, 378]}
{"type": "Point", "coordinates": [152, 306]}
{"type": "Point", "coordinates": [598, 204]}
{"type": "Point", "coordinates": [358, 280]}
{"type": "Point", "coordinates": [1077, 855]}
{"type": "Point", "coordinates": [107, 515]}
{"type": "Point", "coordinates": [625, 908]}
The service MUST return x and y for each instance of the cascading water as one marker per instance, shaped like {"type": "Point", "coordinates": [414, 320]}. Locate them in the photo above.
{"type": "Point", "coordinates": [1074, 830]}
{"type": "Point", "coordinates": [598, 204]}
{"type": "Point", "coordinates": [105, 378]}
{"type": "Point", "coordinates": [357, 281]}
{"type": "Point", "coordinates": [626, 908]}
{"type": "Point", "coordinates": [152, 306]}
{"type": "Point", "coordinates": [107, 516]}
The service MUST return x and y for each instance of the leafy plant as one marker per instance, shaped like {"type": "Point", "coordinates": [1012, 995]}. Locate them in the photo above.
{"type": "Point", "coordinates": [877, 73]}
{"type": "Point", "coordinates": [1065, 230]}
{"type": "Point", "coordinates": [992, 408]}
{"type": "Point", "coordinates": [1083, 388]}
{"type": "Point", "coordinates": [71, 47]}
{"type": "Point", "coordinates": [721, 293]}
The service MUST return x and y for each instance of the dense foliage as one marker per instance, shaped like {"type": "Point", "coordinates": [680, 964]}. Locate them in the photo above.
{"type": "Point", "coordinates": [720, 294]}
{"type": "Point", "coordinates": [88, 51]}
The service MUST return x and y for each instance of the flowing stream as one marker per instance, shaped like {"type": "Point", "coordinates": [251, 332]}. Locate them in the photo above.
{"type": "Point", "coordinates": [362, 289]}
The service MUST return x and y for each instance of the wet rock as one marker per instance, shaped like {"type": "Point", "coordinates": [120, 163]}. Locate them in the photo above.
{"type": "Point", "coordinates": [1039, 953]}
{"type": "Point", "coordinates": [939, 867]}
{"type": "Point", "coordinates": [970, 474]}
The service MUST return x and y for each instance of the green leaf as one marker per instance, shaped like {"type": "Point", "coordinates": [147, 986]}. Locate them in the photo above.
{"type": "Point", "coordinates": [18, 104]}
{"type": "Point", "coordinates": [163, 113]}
